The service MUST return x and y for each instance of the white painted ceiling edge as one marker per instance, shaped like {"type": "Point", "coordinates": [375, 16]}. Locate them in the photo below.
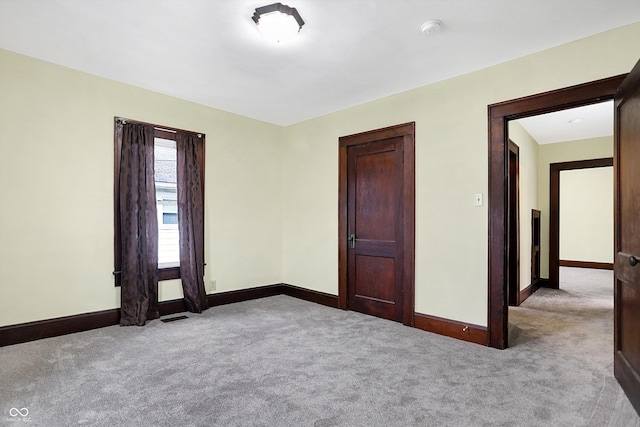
{"type": "Point", "coordinates": [348, 52]}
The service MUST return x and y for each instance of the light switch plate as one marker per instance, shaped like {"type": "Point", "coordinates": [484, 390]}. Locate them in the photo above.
{"type": "Point", "coordinates": [477, 201]}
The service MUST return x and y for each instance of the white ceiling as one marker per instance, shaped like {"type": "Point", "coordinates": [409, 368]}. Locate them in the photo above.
{"type": "Point", "coordinates": [592, 121]}
{"type": "Point", "coordinates": [349, 51]}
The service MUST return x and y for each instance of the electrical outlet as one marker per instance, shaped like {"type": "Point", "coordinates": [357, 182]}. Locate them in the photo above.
{"type": "Point", "coordinates": [477, 201]}
{"type": "Point", "coordinates": [212, 285]}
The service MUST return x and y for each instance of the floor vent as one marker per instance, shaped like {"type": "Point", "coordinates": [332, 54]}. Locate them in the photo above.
{"type": "Point", "coordinates": [173, 319]}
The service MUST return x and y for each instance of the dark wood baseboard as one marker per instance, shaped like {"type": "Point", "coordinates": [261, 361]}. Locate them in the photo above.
{"type": "Point", "coordinates": [451, 328]}
{"type": "Point", "coordinates": [25, 332]}
{"type": "Point", "coordinates": [166, 308]}
{"type": "Point", "coordinates": [310, 295]}
{"type": "Point", "coordinates": [240, 295]}
{"type": "Point", "coordinates": [529, 290]}
{"type": "Point", "coordinates": [272, 290]}
{"type": "Point", "coordinates": [544, 283]}
{"type": "Point", "coordinates": [586, 264]}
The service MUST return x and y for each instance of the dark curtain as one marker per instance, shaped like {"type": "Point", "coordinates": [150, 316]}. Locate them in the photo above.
{"type": "Point", "coordinates": [191, 221]}
{"type": "Point", "coordinates": [138, 226]}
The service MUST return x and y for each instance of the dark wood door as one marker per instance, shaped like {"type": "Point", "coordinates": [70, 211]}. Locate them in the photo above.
{"type": "Point", "coordinates": [377, 223]}
{"type": "Point", "coordinates": [627, 236]}
{"type": "Point", "coordinates": [374, 188]}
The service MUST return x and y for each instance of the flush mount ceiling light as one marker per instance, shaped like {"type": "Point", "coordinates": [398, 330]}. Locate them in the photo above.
{"type": "Point", "coordinates": [278, 22]}
{"type": "Point", "coordinates": [432, 26]}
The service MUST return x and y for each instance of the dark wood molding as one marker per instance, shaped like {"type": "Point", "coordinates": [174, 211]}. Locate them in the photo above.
{"type": "Point", "coordinates": [25, 332]}
{"type": "Point", "coordinates": [451, 328]}
{"type": "Point", "coordinates": [117, 240]}
{"type": "Point", "coordinates": [554, 210]}
{"type": "Point", "coordinates": [544, 283]}
{"type": "Point", "coordinates": [514, 224]}
{"type": "Point", "coordinates": [407, 132]}
{"type": "Point", "coordinates": [168, 273]}
{"type": "Point", "coordinates": [240, 295]}
{"type": "Point", "coordinates": [166, 308]}
{"type": "Point", "coordinates": [499, 116]}
{"type": "Point", "coordinates": [535, 245]}
{"type": "Point", "coordinates": [231, 297]}
{"type": "Point", "coordinates": [529, 290]}
{"type": "Point", "coordinates": [586, 264]}
{"type": "Point", "coordinates": [311, 295]}
{"type": "Point", "coordinates": [343, 250]}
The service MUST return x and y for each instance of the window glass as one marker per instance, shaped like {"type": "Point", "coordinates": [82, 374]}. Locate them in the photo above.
{"type": "Point", "coordinates": [165, 168]}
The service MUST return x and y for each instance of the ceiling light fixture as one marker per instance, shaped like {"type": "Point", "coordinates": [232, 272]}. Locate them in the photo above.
{"type": "Point", "coordinates": [432, 26]}
{"type": "Point", "coordinates": [278, 22]}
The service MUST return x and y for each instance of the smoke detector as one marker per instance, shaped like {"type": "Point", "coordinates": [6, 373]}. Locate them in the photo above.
{"type": "Point", "coordinates": [432, 26]}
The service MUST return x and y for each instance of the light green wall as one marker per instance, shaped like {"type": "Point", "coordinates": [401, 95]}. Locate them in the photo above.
{"type": "Point", "coordinates": [586, 215]}
{"type": "Point", "coordinates": [451, 165]}
{"type": "Point", "coordinates": [56, 190]}
{"type": "Point", "coordinates": [271, 193]}
{"type": "Point", "coordinates": [528, 182]}
{"type": "Point", "coordinates": [594, 148]}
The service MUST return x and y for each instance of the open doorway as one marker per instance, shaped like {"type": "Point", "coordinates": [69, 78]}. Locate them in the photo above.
{"type": "Point", "coordinates": [625, 90]}
{"type": "Point", "coordinates": [581, 215]}
{"type": "Point", "coordinates": [499, 117]}
{"type": "Point", "coordinates": [574, 143]}
{"type": "Point", "coordinates": [577, 211]}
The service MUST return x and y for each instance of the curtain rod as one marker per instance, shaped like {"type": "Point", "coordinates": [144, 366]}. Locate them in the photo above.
{"type": "Point", "coordinates": [124, 121]}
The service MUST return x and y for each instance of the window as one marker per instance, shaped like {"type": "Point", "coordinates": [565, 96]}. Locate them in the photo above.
{"type": "Point", "coordinates": [166, 176]}
{"type": "Point", "coordinates": [166, 179]}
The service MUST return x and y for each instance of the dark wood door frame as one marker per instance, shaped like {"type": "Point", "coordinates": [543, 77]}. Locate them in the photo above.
{"type": "Point", "coordinates": [499, 116]}
{"type": "Point", "coordinates": [535, 253]}
{"type": "Point", "coordinates": [554, 210]}
{"type": "Point", "coordinates": [407, 132]}
{"type": "Point", "coordinates": [514, 224]}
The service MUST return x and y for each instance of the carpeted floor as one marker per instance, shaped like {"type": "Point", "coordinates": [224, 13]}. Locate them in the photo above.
{"type": "Point", "coordinates": [575, 323]}
{"type": "Point", "coordinates": [280, 361]}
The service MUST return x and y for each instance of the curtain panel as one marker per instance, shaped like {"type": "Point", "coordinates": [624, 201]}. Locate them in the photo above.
{"type": "Point", "coordinates": [191, 220]}
{"type": "Point", "coordinates": [138, 225]}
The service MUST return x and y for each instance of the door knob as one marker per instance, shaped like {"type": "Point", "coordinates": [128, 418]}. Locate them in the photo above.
{"type": "Point", "coordinates": [352, 240]}
{"type": "Point", "coordinates": [633, 261]}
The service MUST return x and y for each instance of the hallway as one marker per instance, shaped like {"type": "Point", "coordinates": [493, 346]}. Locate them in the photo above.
{"type": "Point", "coordinates": [575, 323]}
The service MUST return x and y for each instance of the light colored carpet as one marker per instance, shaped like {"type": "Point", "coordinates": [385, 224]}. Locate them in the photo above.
{"type": "Point", "coordinates": [575, 324]}
{"type": "Point", "coordinates": [280, 361]}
